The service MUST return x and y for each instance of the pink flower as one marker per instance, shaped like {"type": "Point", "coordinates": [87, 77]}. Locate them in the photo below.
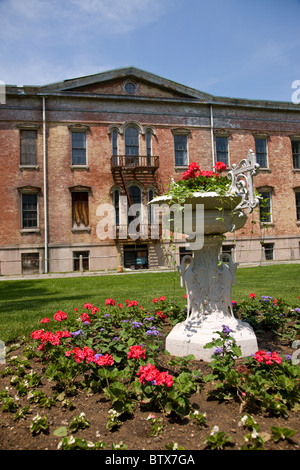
{"type": "Point", "coordinates": [88, 306]}
{"type": "Point", "coordinates": [155, 300]}
{"type": "Point", "coordinates": [136, 352]}
{"type": "Point", "coordinates": [94, 310]}
{"type": "Point", "coordinates": [208, 174]}
{"type": "Point", "coordinates": [149, 373]}
{"type": "Point", "coordinates": [268, 358]}
{"type": "Point", "coordinates": [162, 298]}
{"type": "Point", "coordinates": [86, 354]}
{"type": "Point", "coordinates": [220, 166]}
{"type": "Point", "coordinates": [252, 296]}
{"type": "Point", "coordinates": [45, 320]}
{"type": "Point", "coordinates": [85, 317]}
{"type": "Point", "coordinates": [59, 316]}
{"type": "Point", "coordinates": [185, 296]}
{"type": "Point", "coordinates": [120, 305]}
{"type": "Point", "coordinates": [161, 314]}
{"type": "Point", "coordinates": [106, 360]}
{"type": "Point", "coordinates": [110, 302]}
{"type": "Point", "coordinates": [132, 303]}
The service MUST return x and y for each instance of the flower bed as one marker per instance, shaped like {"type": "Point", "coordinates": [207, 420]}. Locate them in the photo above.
{"type": "Point", "coordinates": [113, 357]}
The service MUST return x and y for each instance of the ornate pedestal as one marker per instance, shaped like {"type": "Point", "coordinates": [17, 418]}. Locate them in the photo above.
{"type": "Point", "coordinates": [208, 284]}
{"type": "Point", "coordinates": [206, 277]}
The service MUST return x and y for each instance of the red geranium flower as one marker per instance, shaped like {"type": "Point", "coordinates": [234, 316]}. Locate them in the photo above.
{"type": "Point", "coordinates": [220, 166]}
{"type": "Point", "coordinates": [85, 317]}
{"type": "Point", "coordinates": [136, 352]}
{"type": "Point", "coordinates": [59, 316]}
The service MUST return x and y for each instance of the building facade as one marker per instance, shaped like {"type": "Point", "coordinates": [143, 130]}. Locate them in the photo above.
{"type": "Point", "coordinates": [70, 148]}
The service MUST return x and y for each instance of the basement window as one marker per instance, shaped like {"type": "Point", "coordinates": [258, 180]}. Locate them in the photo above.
{"type": "Point", "coordinates": [269, 251]}
{"type": "Point", "coordinates": [30, 263]}
{"type": "Point", "coordinates": [81, 260]}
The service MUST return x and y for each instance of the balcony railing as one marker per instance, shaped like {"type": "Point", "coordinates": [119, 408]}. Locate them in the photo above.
{"type": "Point", "coordinates": [143, 162]}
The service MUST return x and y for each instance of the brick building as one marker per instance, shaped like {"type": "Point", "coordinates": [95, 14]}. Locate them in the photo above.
{"type": "Point", "coordinates": [68, 147]}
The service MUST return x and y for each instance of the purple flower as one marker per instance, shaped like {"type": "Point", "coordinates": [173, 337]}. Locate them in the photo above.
{"type": "Point", "coordinates": [297, 310]}
{"type": "Point", "coordinates": [78, 332]}
{"type": "Point", "coordinates": [106, 315]}
{"type": "Point", "coordinates": [288, 357]}
{"type": "Point", "coordinates": [226, 329]}
{"type": "Point", "coordinates": [218, 351]}
{"type": "Point", "coordinates": [136, 324]}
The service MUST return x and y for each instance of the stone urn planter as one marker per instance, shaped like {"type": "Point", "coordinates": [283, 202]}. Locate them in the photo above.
{"type": "Point", "coordinates": [206, 277]}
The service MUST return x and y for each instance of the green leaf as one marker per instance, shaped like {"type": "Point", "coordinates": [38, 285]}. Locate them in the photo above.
{"type": "Point", "coordinates": [61, 432]}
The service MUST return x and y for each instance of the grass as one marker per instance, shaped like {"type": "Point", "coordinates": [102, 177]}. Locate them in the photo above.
{"type": "Point", "coordinates": [24, 303]}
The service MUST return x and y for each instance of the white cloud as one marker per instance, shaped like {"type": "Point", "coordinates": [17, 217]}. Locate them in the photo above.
{"type": "Point", "coordinates": [49, 40]}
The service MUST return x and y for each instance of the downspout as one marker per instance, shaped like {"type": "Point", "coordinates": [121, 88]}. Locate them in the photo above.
{"type": "Point", "coordinates": [45, 185]}
{"type": "Point", "coordinates": [212, 134]}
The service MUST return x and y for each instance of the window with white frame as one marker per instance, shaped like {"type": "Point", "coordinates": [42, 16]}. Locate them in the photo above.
{"type": "Point", "coordinates": [78, 148]}
{"type": "Point", "coordinates": [29, 210]}
{"type": "Point", "coordinates": [297, 198]}
{"type": "Point", "coordinates": [181, 149]}
{"type": "Point", "coordinates": [296, 154]}
{"type": "Point", "coordinates": [261, 152]}
{"type": "Point", "coordinates": [265, 209]}
{"type": "Point", "coordinates": [28, 147]}
{"type": "Point", "coordinates": [222, 149]}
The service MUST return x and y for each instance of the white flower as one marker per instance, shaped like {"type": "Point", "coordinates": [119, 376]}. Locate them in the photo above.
{"type": "Point", "coordinates": [214, 430]}
{"type": "Point", "coordinates": [254, 434]}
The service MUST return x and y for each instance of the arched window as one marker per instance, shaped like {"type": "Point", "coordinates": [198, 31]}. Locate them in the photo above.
{"type": "Point", "coordinates": [116, 198]}
{"type": "Point", "coordinates": [131, 141]}
{"type": "Point", "coordinates": [135, 196]}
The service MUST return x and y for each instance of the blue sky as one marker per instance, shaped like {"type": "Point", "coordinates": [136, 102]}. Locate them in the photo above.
{"type": "Point", "coordinates": [233, 48]}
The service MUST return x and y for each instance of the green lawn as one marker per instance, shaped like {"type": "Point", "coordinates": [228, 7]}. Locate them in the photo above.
{"type": "Point", "coordinates": [24, 303]}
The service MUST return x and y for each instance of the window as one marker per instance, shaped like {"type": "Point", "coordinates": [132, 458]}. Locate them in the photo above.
{"type": "Point", "coordinates": [296, 154]}
{"type": "Point", "coordinates": [261, 152]}
{"type": "Point", "coordinates": [222, 149]}
{"type": "Point", "coordinates": [117, 205]}
{"type": "Point", "coordinates": [269, 251]}
{"type": "Point", "coordinates": [130, 88]}
{"type": "Point", "coordinates": [183, 252]}
{"type": "Point", "coordinates": [136, 256]}
{"type": "Point", "coordinates": [180, 145]}
{"type": "Point", "coordinates": [29, 211]}
{"type": "Point", "coordinates": [80, 209]}
{"type": "Point", "coordinates": [28, 139]}
{"type": "Point", "coordinates": [131, 141]}
{"type": "Point", "coordinates": [149, 147]}
{"type": "Point", "coordinates": [151, 208]}
{"type": "Point", "coordinates": [78, 140]}
{"type": "Point", "coordinates": [30, 263]}
{"type": "Point", "coordinates": [227, 250]}
{"type": "Point", "coordinates": [81, 260]}
{"type": "Point", "coordinates": [135, 196]}
{"type": "Point", "coordinates": [265, 207]}
{"type": "Point", "coordinates": [297, 195]}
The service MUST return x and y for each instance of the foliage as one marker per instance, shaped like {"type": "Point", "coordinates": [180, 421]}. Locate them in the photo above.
{"type": "Point", "coordinates": [195, 180]}
{"type": "Point", "coordinates": [113, 350]}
